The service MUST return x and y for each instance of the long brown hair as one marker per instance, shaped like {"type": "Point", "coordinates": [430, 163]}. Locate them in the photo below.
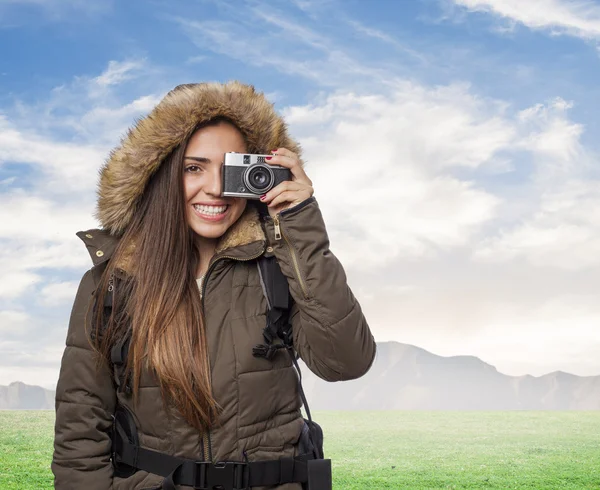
{"type": "Point", "coordinates": [159, 302]}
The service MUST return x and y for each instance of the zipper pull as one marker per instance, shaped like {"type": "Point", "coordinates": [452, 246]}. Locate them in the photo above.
{"type": "Point", "coordinates": [277, 228]}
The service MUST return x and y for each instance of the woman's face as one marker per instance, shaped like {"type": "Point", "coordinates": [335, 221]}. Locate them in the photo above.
{"type": "Point", "coordinates": [209, 214]}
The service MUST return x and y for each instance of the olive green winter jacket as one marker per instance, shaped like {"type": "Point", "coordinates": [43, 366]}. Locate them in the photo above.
{"type": "Point", "coordinates": [259, 398]}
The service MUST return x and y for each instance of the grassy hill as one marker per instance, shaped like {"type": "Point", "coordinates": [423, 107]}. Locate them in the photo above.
{"type": "Point", "coordinates": [392, 450]}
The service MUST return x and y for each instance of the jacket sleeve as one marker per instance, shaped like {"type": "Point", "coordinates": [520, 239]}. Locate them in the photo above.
{"type": "Point", "coordinates": [331, 333]}
{"type": "Point", "coordinates": [85, 402]}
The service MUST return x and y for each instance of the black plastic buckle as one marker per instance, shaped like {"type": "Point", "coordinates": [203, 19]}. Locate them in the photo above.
{"type": "Point", "coordinates": [287, 335]}
{"type": "Point", "coordinates": [224, 475]}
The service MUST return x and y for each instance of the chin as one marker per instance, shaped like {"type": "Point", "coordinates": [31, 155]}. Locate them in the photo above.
{"type": "Point", "coordinates": [210, 231]}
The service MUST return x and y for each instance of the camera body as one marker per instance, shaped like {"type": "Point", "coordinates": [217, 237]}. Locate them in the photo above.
{"type": "Point", "coordinates": [250, 176]}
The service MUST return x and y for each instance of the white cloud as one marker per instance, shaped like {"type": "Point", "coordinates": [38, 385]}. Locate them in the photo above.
{"type": "Point", "coordinates": [385, 176]}
{"type": "Point", "coordinates": [16, 283]}
{"type": "Point", "coordinates": [580, 18]}
{"type": "Point", "coordinates": [368, 31]}
{"type": "Point", "coordinates": [52, 194]}
{"type": "Point", "coordinates": [561, 227]}
{"type": "Point", "coordinates": [193, 60]}
{"type": "Point", "coordinates": [119, 71]}
{"type": "Point", "coordinates": [563, 232]}
{"type": "Point", "coordinates": [281, 44]}
{"type": "Point", "coordinates": [12, 321]}
{"type": "Point", "coordinates": [553, 138]}
{"type": "Point", "coordinates": [23, 260]}
{"type": "Point", "coordinates": [521, 320]}
{"type": "Point", "coordinates": [107, 124]}
{"type": "Point", "coordinates": [59, 293]}
{"type": "Point", "coordinates": [59, 167]}
{"type": "Point", "coordinates": [36, 365]}
{"type": "Point", "coordinates": [547, 337]}
{"type": "Point", "coordinates": [40, 236]}
{"type": "Point", "coordinates": [299, 31]}
{"type": "Point", "coordinates": [388, 177]}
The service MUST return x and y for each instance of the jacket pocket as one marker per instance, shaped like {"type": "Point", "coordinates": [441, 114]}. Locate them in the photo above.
{"type": "Point", "coordinates": [264, 453]}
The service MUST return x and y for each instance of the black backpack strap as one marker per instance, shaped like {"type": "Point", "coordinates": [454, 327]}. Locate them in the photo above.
{"type": "Point", "coordinates": [118, 356]}
{"type": "Point", "coordinates": [128, 457]}
{"type": "Point", "coordinates": [277, 294]}
{"type": "Point", "coordinates": [119, 351]}
{"type": "Point", "coordinates": [226, 475]}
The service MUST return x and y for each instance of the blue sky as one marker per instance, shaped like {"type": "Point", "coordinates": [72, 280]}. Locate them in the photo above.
{"type": "Point", "coordinates": [453, 145]}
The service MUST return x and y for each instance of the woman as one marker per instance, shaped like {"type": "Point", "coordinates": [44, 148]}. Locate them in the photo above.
{"type": "Point", "coordinates": [175, 268]}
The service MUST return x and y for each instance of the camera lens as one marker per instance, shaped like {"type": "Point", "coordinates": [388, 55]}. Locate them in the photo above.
{"type": "Point", "coordinates": [259, 179]}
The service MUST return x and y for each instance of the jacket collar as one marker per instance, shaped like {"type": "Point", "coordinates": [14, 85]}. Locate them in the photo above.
{"type": "Point", "coordinates": [100, 244]}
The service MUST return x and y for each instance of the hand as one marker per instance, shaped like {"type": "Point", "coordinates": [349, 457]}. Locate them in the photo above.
{"type": "Point", "coordinates": [291, 192]}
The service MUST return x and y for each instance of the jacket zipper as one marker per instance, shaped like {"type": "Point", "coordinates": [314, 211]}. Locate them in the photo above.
{"type": "Point", "coordinates": [278, 236]}
{"type": "Point", "coordinates": [207, 446]}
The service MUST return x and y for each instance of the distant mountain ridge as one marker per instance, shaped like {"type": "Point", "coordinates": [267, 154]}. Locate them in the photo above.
{"type": "Point", "coordinates": [19, 396]}
{"type": "Point", "coordinates": [406, 377]}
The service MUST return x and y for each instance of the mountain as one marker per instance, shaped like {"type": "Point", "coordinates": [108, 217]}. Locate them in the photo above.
{"type": "Point", "coordinates": [18, 396]}
{"type": "Point", "coordinates": [405, 377]}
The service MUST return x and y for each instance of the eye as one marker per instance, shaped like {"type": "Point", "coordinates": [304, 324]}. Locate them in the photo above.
{"type": "Point", "coordinates": [194, 169]}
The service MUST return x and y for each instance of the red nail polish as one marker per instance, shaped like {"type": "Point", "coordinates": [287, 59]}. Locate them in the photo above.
{"type": "Point", "coordinates": [273, 151]}
{"type": "Point", "coordinates": [263, 197]}
{"type": "Point", "coordinates": [268, 158]}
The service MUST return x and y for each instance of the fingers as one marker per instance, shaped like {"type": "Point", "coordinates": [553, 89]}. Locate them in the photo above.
{"type": "Point", "coordinates": [289, 197]}
{"type": "Point", "coordinates": [287, 186]}
{"type": "Point", "coordinates": [285, 152]}
{"type": "Point", "coordinates": [292, 192]}
{"type": "Point", "coordinates": [288, 159]}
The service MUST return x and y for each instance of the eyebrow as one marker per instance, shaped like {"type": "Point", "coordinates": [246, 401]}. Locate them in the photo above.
{"type": "Point", "coordinates": [198, 159]}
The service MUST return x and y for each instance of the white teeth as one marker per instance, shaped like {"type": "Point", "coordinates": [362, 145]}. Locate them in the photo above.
{"type": "Point", "coordinates": [210, 209]}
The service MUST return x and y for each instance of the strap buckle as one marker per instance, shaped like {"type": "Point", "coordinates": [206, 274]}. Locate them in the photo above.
{"type": "Point", "coordinates": [224, 475]}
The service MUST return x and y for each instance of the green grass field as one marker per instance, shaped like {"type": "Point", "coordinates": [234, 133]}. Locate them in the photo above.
{"type": "Point", "coordinates": [385, 450]}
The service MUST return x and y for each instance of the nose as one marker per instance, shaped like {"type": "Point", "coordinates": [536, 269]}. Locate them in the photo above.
{"type": "Point", "coordinates": [213, 186]}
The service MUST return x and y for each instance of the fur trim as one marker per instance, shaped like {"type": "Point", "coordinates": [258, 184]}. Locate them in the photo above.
{"type": "Point", "coordinates": [130, 166]}
{"type": "Point", "coordinates": [245, 230]}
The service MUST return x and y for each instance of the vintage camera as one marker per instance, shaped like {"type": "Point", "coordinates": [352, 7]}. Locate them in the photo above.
{"type": "Point", "coordinates": [250, 176]}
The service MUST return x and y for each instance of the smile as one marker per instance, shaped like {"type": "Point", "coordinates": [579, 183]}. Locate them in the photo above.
{"type": "Point", "coordinates": [211, 213]}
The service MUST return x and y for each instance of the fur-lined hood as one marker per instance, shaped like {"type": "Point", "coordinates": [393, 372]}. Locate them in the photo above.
{"type": "Point", "coordinates": [130, 166]}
